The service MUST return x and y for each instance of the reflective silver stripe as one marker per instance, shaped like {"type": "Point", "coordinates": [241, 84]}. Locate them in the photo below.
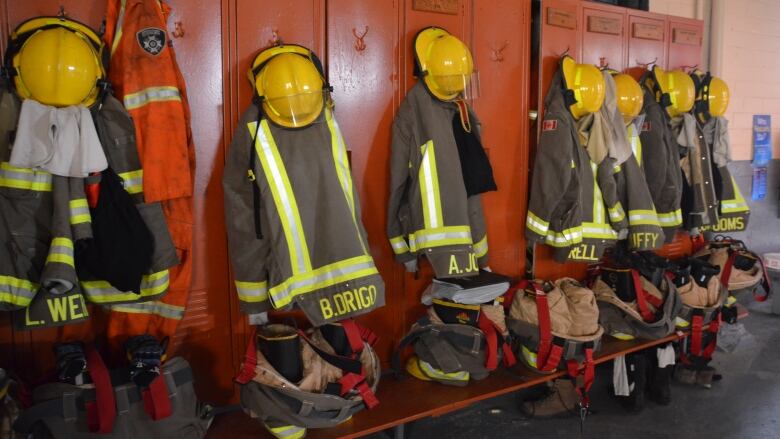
{"type": "Point", "coordinates": [151, 94]}
{"type": "Point", "coordinates": [252, 291]}
{"type": "Point", "coordinates": [158, 308]}
{"type": "Point", "coordinates": [133, 181]}
{"type": "Point", "coordinates": [119, 23]}
{"type": "Point", "coordinates": [481, 247]}
{"type": "Point", "coordinates": [423, 240]}
{"type": "Point", "coordinates": [564, 237]}
{"type": "Point", "coordinates": [287, 206]}
{"type": "Point", "coordinates": [729, 207]}
{"type": "Point", "coordinates": [399, 245]}
{"type": "Point", "coordinates": [438, 374]}
{"type": "Point", "coordinates": [22, 178]}
{"type": "Point", "coordinates": [284, 292]}
{"type": "Point", "coordinates": [151, 285]}
{"type": "Point", "coordinates": [18, 292]}
{"type": "Point", "coordinates": [533, 222]}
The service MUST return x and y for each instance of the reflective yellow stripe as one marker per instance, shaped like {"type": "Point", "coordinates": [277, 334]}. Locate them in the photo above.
{"type": "Point", "coordinates": [284, 198]}
{"type": "Point", "coordinates": [17, 292]}
{"type": "Point", "coordinates": [643, 218]}
{"type": "Point", "coordinates": [119, 23]}
{"type": "Point", "coordinates": [429, 238]}
{"type": "Point", "coordinates": [79, 212]}
{"type": "Point", "coordinates": [161, 309]}
{"type": "Point", "coordinates": [536, 224]}
{"type": "Point", "coordinates": [577, 92]}
{"type": "Point", "coordinates": [529, 356]}
{"type": "Point", "coordinates": [737, 204]}
{"type": "Point", "coordinates": [596, 230]}
{"type": "Point", "coordinates": [438, 374]}
{"type": "Point", "coordinates": [252, 291]}
{"type": "Point", "coordinates": [617, 214]}
{"type": "Point", "coordinates": [150, 95]}
{"type": "Point", "coordinates": [399, 245]}
{"type": "Point", "coordinates": [429, 187]}
{"type": "Point", "coordinates": [681, 323]}
{"type": "Point", "coordinates": [481, 247]}
{"type": "Point", "coordinates": [61, 250]}
{"type": "Point", "coordinates": [564, 238]}
{"type": "Point", "coordinates": [100, 291]}
{"type": "Point", "coordinates": [342, 171]}
{"type": "Point", "coordinates": [323, 277]}
{"type": "Point", "coordinates": [133, 181]}
{"type": "Point", "coordinates": [287, 431]}
{"type": "Point", "coordinates": [24, 178]}
{"type": "Point", "coordinates": [670, 219]}
{"type": "Point", "coordinates": [622, 336]}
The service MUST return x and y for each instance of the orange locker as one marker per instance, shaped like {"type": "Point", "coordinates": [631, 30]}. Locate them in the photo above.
{"type": "Point", "coordinates": [684, 40]}
{"type": "Point", "coordinates": [646, 41]}
{"type": "Point", "coordinates": [603, 36]}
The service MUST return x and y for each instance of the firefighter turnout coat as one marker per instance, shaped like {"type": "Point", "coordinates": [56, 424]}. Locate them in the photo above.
{"type": "Point", "coordinates": [733, 210]}
{"type": "Point", "coordinates": [310, 249]}
{"type": "Point", "coordinates": [566, 210]}
{"type": "Point", "coordinates": [429, 212]}
{"type": "Point", "coordinates": [660, 160]}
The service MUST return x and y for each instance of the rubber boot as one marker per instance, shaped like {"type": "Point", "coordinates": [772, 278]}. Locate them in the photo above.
{"type": "Point", "coordinates": [636, 368]}
{"type": "Point", "coordinates": [705, 377]}
{"type": "Point", "coordinates": [684, 374]}
{"type": "Point", "coordinates": [560, 400]}
{"type": "Point", "coordinates": [659, 380]}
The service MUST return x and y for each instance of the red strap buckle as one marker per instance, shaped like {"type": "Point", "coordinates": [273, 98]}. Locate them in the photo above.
{"type": "Point", "coordinates": [641, 298]}
{"type": "Point", "coordinates": [491, 337]}
{"type": "Point", "coordinates": [358, 382]}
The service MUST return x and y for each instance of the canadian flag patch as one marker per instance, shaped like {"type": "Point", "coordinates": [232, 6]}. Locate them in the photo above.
{"type": "Point", "coordinates": [550, 125]}
{"type": "Point", "coordinates": [646, 126]}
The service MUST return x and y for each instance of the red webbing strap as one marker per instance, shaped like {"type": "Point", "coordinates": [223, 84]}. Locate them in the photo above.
{"type": "Point", "coordinates": [358, 382]}
{"type": "Point", "coordinates": [696, 334]}
{"type": "Point", "coordinates": [250, 361]}
{"type": "Point", "coordinates": [353, 335]}
{"type": "Point", "coordinates": [491, 337]}
{"type": "Point", "coordinates": [641, 298]}
{"type": "Point", "coordinates": [366, 334]}
{"type": "Point", "coordinates": [101, 413]}
{"type": "Point", "coordinates": [588, 375]}
{"type": "Point", "coordinates": [157, 403]}
{"type": "Point", "coordinates": [713, 329]}
{"type": "Point", "coordinates": [548, 355]}
{"type": "Point", "coordinates": [92, 191]}
{"type": "Point", "coordinates": [509, 356]}
{"type": "Point", "coordinates": [766, 283]}
{"type": "Point", "coordinates": [725, 275]}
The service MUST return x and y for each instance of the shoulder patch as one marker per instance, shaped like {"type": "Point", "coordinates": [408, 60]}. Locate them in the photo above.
{"type": "Point", "coordinates": [550, 125]}
{"type": "Point", "coordinates": [647, 126]}
{"type": "Point", "coordinates": [151, 40]}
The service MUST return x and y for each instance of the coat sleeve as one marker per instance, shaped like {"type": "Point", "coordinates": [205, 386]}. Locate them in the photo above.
{"type": "Point", "coordinates": [551, 176]}
{"type": "Point", "coordinates": [59, 270]}
{"type": "Point", "coordinates": [607, 178]}
{"type": "Point", "coordinates": [398, 204]}
{"type": "Point", "coordinates": [249, 253]}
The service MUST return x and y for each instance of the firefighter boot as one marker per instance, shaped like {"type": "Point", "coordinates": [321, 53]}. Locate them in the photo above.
{"type": "Point", "coordinates": [636, 369]}
{"type": "Point", "coordinates": [560, 400]}
{"type": "Point", "coordinates": [659, 381]}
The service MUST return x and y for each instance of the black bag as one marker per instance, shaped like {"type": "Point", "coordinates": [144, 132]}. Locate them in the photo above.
{"type": "Point", "coordinates": [120, 251]}
{"type": "Point", "coordinates": [474, 163]}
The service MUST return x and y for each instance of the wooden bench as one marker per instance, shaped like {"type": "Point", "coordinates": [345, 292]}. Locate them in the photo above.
{"type": "Point", "coordinates": [407, 400]}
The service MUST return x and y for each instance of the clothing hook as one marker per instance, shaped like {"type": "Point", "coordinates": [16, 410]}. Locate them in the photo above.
{"type": "Point", "coordinates": [497, 54]}
{"type": "Point", "coordinates": [360, 45]}
{"type": "Point", "coordinates": [646, 65]}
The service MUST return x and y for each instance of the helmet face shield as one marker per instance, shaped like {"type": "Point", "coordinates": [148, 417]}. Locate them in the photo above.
{"type": "Point", "coordinates": [296, 110]}
{"type": "Point", "coordinates": [292, 90]}
{"type": "Point", "coordinates": [445, 64]}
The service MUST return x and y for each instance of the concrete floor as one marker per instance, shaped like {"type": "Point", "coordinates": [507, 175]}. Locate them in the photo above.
{"type": "Point", "coordinates": [745, 404]}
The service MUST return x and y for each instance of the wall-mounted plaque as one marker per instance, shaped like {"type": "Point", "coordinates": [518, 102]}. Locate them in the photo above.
{"type": "Point", "coordinates": [648, 31]}
{"type": "Point", "coordinates": [440, 6]}
{"type": "Point", "coordinates": [686, 36]}
{"type": "Point", "coordinates": [604, 25]}
{"type": "Point", "coordinates": [561, 18]}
